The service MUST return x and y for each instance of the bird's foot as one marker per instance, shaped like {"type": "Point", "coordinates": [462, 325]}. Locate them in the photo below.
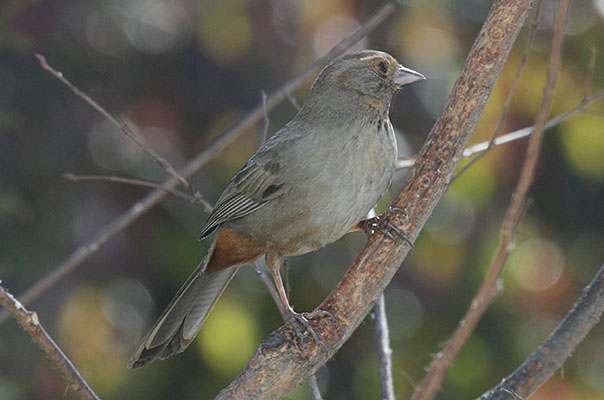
{"type": "Point", "coordinates": [301, 323]}
{"type": "Point", "coordinates": [382, 224]}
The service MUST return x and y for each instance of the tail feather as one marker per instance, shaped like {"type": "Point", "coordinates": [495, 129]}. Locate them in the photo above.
{"type": "Point", "coordinates": [179, 323]}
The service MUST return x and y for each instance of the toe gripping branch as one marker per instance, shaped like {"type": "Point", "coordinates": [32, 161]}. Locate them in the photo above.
{"type": "Point", "coordinates": [304, 320]}
{"type": "Point", "coordinates": [382, 224]}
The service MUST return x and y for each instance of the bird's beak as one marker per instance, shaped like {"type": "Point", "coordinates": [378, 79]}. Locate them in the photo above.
{"type": "Point", "coordinates": [404, 76]}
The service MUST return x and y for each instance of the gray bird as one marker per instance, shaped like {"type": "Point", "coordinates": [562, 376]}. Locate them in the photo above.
{"type": "Point", "coordinates": [307, 186]}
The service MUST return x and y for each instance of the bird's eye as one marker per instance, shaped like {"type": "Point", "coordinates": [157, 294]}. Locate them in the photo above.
{"type": "Point", "coordinates": [382, 67]}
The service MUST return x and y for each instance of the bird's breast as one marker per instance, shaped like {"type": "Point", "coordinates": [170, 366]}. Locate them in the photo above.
{"type": "Point", "coordinates": [355, 172]}
{"type": "Point", "coordinates": [335, 179]}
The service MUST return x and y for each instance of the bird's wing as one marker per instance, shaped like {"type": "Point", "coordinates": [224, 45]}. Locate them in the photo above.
{"type": "Point", "coordinates": [259, 181]}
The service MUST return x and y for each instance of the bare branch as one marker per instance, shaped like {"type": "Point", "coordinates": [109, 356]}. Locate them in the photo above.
{"type": "Point", "coordinates": [550, 356]}
{"type": "Point", "coordinates": [403, 163]}
{"type": "Point", "coordinates": [281, 363]}
{"type": "Point", "coordinates": [591, 66]}
{"type": "Point", "coordinates": [75, 259]}
{"type": "Point", "coordinates": [265, 119]}
{"type": "Point", "coordinates": [30, 323]}
{"type": "Point", "coordinates": [314, 388]}
{"type": "Point", "coordinates": [384, 350]}
{"type": "Point", "coordinates": [490, 287]}
{"type": "Point", "coordinates": [512, 92]}
{"type": "Point", "coordinates": [293, 101]}
{"type": "Point", "coordinates": [138, 182]}
{"type": "Point", "coordinates": [125, 128]}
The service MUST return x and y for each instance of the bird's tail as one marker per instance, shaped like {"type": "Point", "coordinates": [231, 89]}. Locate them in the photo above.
{"type": "Point", "coordinates": [179, 323]}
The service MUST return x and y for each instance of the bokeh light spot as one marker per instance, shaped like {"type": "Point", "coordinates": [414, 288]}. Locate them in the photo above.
{"type": "Point", "coordinates": [453, 219]}
{"type": "Point", "coordinates": [156, 26]}
{"type": "Point", "coordinates": [583, 144]}
{"type": "Point", "coordinates": [478, 184]}
{"type": "Point", "coordinates": [332, 31]}
{"type": "Point", "coordinates": [472, 364]}
{"type": "Point", "coordinates": [87, 336]}
{"type": "Point", "coordinates": [229, 337]}
{"type": "Point", "coordinates": [225, 31]}
{"type": "Point", "coordinates": [537, 264]}
{"type": "Point", "coordinates": [111, 149]}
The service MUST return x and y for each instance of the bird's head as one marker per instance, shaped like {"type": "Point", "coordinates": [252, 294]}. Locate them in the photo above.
{"type": "Point", "coordinates": [368, 76]}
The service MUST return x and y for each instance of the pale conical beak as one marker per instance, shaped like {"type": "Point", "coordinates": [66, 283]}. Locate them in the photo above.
{"type": "Point", "coordinates": [405, 76]}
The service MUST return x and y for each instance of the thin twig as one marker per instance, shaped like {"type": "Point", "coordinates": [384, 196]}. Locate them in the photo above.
{"type": "Point", "coordinates": [550, 356]}
{"type": "Point", "coordinates": [265, 119]}
{"type": "Point", "coordinates": [30, 323]}
{"type": "Point", "coordinates": [125, 128]}
{"type": "Point", "coordinates": [524, 132]}
{"type": "Point", "coordinates": [512, 92]}
{"type": "Point", "coordinates": [403, 163]}
{"type": "Point", "coordinates": [490, 287]}
{"type": "Point", "coordinates": [82, 253]}
{"type": "Point", "coordinates": [314, 388]}
{"type": "Point", "coordinates": [293, 101]}
{"type": "Point", "coordinates": [514, 395]}
{"type": "Point", "coordinates": [591, 66]}
{"type": "Point", "coordinates": [137, 182]}
{"type": "Point", "coordinates": [384, 351]}
{"type": "Point", "coordinates": [599, 113]}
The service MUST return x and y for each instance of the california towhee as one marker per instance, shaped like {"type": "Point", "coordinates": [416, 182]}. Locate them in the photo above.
{"type": "Point", "coordinates": [307, 186]}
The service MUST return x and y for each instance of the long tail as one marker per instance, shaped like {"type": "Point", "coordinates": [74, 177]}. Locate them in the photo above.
{"type": "Point", "coordinates": [179, 323]}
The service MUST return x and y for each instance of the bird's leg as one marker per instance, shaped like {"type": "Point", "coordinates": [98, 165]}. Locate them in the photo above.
{"type": "Point", "coordinates": [273, 262]}
{"type": "Point", "coordinates": [382, 224]}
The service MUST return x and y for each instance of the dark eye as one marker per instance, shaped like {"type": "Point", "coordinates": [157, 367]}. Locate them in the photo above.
{"type": "Point", "coordinates": [382, 67]}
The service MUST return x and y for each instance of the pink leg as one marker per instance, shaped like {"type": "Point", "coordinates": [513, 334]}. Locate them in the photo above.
{"type": "Point", "coordinates": [273, 261]}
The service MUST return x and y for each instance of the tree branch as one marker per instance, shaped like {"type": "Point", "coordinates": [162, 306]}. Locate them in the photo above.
{"type": "Point", "coordinates": [490, 287]}
{"type": "Point", "coordinates": [314, 388]}
{"type": "Point", "coordinates": [126, 130]}
{"type": "Point", "coordinates": [384, 351]}
{"type": "Point", "coordinates": [512, 92]}
{"type": "Point", "coordinates": [280, 364]}
{"type": "Point", "coordinates": [265, 120]}
{"type": "Point", "coordinates": [550, 356]}
{"type": "Point", "coordinates": [31, 324]}
{"type": "Point", "coordinates": [75, 259]}
{"type": "Point", "coordinates": [483, 147]}
{"type": "Point", "coordinates": [135, 182]}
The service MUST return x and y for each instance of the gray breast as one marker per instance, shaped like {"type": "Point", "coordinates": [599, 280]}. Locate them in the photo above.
{"type": "Point", "coordinates": [336, 186]}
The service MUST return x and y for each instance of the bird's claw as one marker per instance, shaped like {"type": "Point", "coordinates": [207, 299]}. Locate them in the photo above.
{"type": "Point", "coordinates": [382, 224]}
{"type": "Point", "coordinates": [303, 319]}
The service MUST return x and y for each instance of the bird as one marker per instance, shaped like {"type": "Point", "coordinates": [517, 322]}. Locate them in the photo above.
{"type": "Point", "coordinates": [308, 185]}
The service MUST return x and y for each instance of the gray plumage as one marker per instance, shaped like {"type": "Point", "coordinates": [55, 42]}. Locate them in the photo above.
{"type": "Point", "coordinates": [306, 187]}
{"type": "Point", "coordinates": [180, 321]}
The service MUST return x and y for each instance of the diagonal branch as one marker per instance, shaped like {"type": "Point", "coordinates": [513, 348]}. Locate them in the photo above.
{"type": "Point", "coordinates": [280, 364]}
{"type": "Point", "coordinates": [490, 287]}
{"type": "Point", "coordinates": [550, 356]}
{"type": "Point", "coordinates": [30, 323]}
{"type": "Point", "coordinates": [126, 130]}
{"type": "Point", "coordinates": [482, 147]}
{"type": "Point", "coordinates": [82, 253]}
{"type": "Point", "coordinates": [512, 92]}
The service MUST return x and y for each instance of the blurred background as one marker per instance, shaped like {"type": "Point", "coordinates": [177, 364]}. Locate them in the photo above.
{"type": "Point", "coordinates": [183, 72]}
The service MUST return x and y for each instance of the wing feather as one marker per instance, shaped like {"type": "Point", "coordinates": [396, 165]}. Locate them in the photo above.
{"type": "Point", "coordinates": [255, 184]}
